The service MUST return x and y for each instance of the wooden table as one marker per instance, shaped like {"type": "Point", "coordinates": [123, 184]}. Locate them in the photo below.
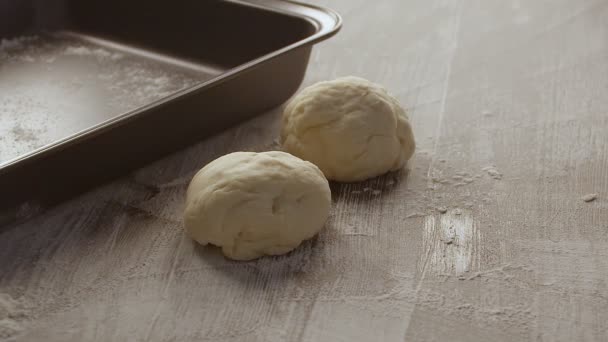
{"type": "Point", "coordinates": [509, 102]}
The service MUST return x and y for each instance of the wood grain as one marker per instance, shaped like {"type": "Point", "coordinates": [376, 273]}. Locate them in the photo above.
{"type": "Point", "coordinates": [509, 104]}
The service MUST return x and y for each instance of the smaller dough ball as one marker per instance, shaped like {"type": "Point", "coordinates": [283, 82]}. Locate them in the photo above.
{"type": "Point", "coordinates": [350, 128]}
{"type": "Point", "coordinates": [254, 204]}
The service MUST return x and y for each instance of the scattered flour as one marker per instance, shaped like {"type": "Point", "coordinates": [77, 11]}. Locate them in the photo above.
{"type": "Point", "coordinates": [14, 314]}
{"type": "Point", "coordinates": [113, 81]}
{"type": "Point", "coordinates": [17, 49]}
{"type": "Point", "coordinates": [16, 43]}
{"type": "Point", "coordinates": [8, 329]}
{"type": "Point", "coordinates": [96, 52]}
{"type": "Point", "coordinates": [276, 144]}
{"type": "Point", "coordinates": [589, 197]}
{"type": "Point", "coordinates": [23, 134]}
{"type": "Point", "coordinates": [492, 172]}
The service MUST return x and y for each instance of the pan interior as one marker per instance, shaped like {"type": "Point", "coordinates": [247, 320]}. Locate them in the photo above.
{"type": "Point", "coordinates": [66, 66]}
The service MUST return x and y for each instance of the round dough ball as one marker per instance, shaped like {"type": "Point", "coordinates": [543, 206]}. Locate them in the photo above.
{"type": "Point", "coordinates": [350, 128]}
{"type": "Point", "coordinates": [254, 204]}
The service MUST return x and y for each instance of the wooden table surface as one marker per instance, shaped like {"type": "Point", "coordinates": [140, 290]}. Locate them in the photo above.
{"type": "Point", "coordinates": [509, 102]}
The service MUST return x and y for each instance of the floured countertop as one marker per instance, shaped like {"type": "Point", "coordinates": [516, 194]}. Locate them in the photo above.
{"type": "Point", "coordinates": [498, 231]}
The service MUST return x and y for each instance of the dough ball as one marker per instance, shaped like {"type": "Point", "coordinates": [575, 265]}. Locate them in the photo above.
{"type": "Point", "coordinates": [254, 204]}
{"type": "Point", "coordinates": [350, 128]}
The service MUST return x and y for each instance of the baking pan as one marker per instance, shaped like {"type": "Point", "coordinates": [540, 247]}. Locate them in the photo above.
{"type": "Point", "coordinates": [90, 90]}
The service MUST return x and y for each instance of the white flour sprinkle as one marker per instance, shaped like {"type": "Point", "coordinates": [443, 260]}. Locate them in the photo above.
{"type": "Point", "coordinates": [492, 172]}
{"type": "Point", "coordinates": [13, 314]}
{"type": "Point", "coordinates": [589, 197]}
{"type": "Point", "coordinates": [97, 52]}
{"type": "Point", "coordinates": [15, 43]}
{"type": "Point", "coordinates": [8, 329]}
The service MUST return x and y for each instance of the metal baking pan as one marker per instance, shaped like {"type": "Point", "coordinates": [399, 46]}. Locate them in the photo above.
{"type": "Point", "coordinates": [90, 90]}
